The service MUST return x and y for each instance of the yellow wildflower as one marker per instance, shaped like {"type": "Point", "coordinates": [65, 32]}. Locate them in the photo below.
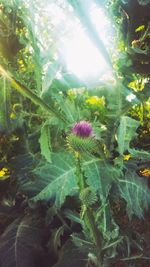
{"type": "Point", "coordinates": [12, 115]}
{"type": "Point", "coordinates": [20, 62]}
{"type": "Point", "coordinates": [95, 100]}
{"type": "Point", "coordinates": [4, 174]}
{"type": "Point", "coordinates": [127, 157]}
{"type": "Point", "coordinates": [140, 28]}
{"type": "Point", "coordinates": [145, 172]}
{"type": "Point", "coordinates": [137, 85]}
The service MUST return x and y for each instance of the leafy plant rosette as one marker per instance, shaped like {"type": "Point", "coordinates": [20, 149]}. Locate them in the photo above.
{"type": "Point", "coordinates": [81, 141]}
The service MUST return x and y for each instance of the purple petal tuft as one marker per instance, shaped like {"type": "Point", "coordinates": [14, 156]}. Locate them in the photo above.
{"type": "Point", "coordinates": [82, 129]}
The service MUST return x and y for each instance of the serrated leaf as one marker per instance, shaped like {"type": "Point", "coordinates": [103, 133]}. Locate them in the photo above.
{"type": "Point", "coordinates": [135, 192]}
{"type": "Point", "coordinates": [20, 242]}
{"type": "Point", "coordinates": [126, 132]}
{"type": "Point", "coordinates": [45, 142]}
{"type": "Point", "coordinates": [56, 180]}
{"type": "Point", "coordinates": [100, 177]}
{"type": "Point", "coordinates": [140, 154]}
{"type": "Point", "coordinates": [72, 111]}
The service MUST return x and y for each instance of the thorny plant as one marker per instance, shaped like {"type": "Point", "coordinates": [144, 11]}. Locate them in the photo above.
{"type": "Point", "coordinates": [76, 155]}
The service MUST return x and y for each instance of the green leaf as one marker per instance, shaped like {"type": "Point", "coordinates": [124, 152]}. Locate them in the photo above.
{"type": "Point", "coordinates": [135, 192]}
{"type": "Point", "coordinates": [71, 111]}
{"type": "Point", "coordinates": [49, 77]}
{"type": "Point", "coordinates": [72, 256]}
{"type": "Point", "coordinates": [73, 216]}
{"type": "Point", "coordinates": [56, 180]}
{"type": "Point", "coordinates": [126, 132]}
{"type": "Point", "coordinates": [140, 154]}
{"type": "Point", "coordinates": [21, 243]}
{"type": "Point", "coordinates": [100, 176]}
{"type": "Point", "coordinates": [45, 142]}
{"type": "Point", "coordinates": [5, 106]}
{"type": "Point", "coordinates": [55, 240]}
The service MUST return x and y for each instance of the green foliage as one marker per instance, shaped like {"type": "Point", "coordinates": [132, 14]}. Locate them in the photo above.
{"type": "Point", "coordinates": [126, 132]}
{"type": "Point", "coordinates": [5, 106]}
{"type": "Point", "coordinates": [88, 197]}
{"type": "Point", "coordinates": [46, 161]}
{"type": "Point", "coordinates": [71, 256]}
{"type": "Point", "coordinates": [135, 193]}
{"type": "Point", "coordinates": [140, 154]}
{"type": "Point", "coordinates": [100, 177]}
{"type": "Point", "coordinates": [54, 181]}
{"type": "Point", "coordinates": [45, 142]}
{"type": "Point", "coordinates": [60, 177]}
{"type": "Point", "coordinates": [17, 243]}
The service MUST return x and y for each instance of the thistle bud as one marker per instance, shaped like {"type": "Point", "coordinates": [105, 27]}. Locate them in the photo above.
{"type": "Point", "coordinates": [81, 139]}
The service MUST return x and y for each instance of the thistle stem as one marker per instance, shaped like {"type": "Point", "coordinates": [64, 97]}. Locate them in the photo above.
{"type": "Point", "coordinates": [88, 215]}
{"type": "Point", "coordinates": [89, 219]}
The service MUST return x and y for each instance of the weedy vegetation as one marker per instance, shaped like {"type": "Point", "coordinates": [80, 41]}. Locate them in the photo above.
{"type": "Point", "coordinates": [75, 157]}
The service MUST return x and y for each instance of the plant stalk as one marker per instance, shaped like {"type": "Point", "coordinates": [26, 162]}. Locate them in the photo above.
{"type": "Point", "coordinates": [89, 219]}
{"type": "Point", "coordinates": [29, 94]}
{"type": "Point", "coordinates": [88, 215]}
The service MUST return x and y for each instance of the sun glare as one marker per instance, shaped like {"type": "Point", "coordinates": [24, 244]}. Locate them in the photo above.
{"type": "Point", "coordinates": [75, 48]}
{"type": "Point", "coordinates": [80, 54]}
{"type": "Point", "coordinates": [82, 57]}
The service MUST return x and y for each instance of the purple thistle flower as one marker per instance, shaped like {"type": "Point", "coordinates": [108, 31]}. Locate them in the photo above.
{"type": "Point", "coordinates": [82, 129]}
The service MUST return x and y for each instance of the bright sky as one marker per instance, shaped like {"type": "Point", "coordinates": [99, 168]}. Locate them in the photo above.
{"type": "Point", "coordinates": [78, 52]}
{"type": "Point", "coordinates": [82, 57]}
